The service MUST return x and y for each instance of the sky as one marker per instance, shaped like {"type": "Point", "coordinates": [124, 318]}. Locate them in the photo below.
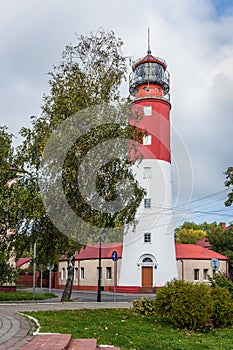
{"type": "Point", "coordinates": [193, 36]}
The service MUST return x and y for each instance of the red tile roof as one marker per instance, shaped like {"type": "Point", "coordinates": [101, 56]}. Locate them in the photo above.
{"type": "Point", "coordinates": [21, 261]}
{"type": "Point", "coordinates": [92, 251]}
{"type": "Point", "coordinates": [194, 251]}
{"type": "Point", "coordinates": [183, 251]}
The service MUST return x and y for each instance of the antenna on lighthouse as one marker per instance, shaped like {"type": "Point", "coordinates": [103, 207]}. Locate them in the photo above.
{"type": "Point", "coordinates": [149, 50]}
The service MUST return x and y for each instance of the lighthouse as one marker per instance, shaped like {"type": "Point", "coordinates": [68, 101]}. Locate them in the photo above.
{"type": "Point", "coordinates": [148, 257]}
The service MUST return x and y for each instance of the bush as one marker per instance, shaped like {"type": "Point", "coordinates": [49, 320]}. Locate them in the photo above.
{"type": "Point", "coordinates": [188, 305]}
{"type": "Point", "coordinates": [219, 279]}
{"type": "Point", "coordinates": [144, 306]}
{"type": "Point", "coordinates": [223, 307]}
{"type": "Point", "coordinates": [195, 306]}
{"type": "Point", "coordinates": [185, 305]}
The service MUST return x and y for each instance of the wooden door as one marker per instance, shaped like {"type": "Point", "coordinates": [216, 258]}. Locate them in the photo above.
{"type": "Point", "coordinates": [147, 276]}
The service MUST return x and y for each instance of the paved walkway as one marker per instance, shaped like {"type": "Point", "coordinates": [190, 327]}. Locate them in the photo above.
{"type": "Point", "coordinates": [16, 330]}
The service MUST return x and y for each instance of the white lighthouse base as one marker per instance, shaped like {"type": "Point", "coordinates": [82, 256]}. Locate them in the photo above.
{"type": "Point", "coordinates": [151, 264]}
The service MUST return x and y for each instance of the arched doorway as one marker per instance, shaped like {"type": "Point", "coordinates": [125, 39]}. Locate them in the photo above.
{"type": "Point", "coordinates": [148, 264]}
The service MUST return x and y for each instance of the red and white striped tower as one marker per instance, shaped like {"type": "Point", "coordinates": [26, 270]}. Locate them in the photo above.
{"type": "Point", "coordinates": [148, 258]}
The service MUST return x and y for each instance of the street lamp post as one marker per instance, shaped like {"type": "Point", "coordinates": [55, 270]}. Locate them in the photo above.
{"type": "Point", "coordinates": [101, 238]}
{"type": "Point", "coordinates": [99, 270]}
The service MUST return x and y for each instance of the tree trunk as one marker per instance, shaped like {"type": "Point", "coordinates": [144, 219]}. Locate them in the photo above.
{"type": "Point", "coordinates": [66, 295]}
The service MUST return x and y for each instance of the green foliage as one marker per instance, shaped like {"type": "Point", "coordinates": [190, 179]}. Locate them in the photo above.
{"type": "Point", "coordinates": [185, 305]}
{"type": "Point", "coordinates": [188, 305]}
{"type": "Point", "coordinates": [21, 295]}
{"type": "Point", "coordinates": [222, 315]}
{"type": "Point", "coordinates": [144, 306]}
{"type": "Point", "coordinates": [190, 236]}
{"type": "Point", "coordinates": [194, 306]}
{"type": "Point", "coordinates": [7, 174]}
{"type": "Point", "coordinates": [229, 184]}
{"type": "Point", "coordinates": [191, 232]}
{"type": "Point", "coordinates": [220, 280]}
{"type": "Point", "coordinates": [8, 273]}
{"type": "Point", "coordinates": [89, 74]}
{"type": "Point", "coordinates": [221, 240]}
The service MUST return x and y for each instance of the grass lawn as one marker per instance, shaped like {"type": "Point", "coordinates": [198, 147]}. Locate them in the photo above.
{"type": "Point", "coordinates": [21, 295]}
{"type": "Point", "coordinates": [130, 331]}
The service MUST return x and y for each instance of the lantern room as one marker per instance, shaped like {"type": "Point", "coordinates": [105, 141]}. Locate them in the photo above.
{"type": "Point", "coordinates": [149, 78]}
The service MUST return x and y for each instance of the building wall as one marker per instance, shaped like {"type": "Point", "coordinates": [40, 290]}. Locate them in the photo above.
{"type": "Point", "coordinates": [186, 269]}
{"type": "Point", "coordinates": [90, 270]}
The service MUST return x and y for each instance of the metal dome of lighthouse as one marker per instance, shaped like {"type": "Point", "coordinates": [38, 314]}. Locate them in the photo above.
{"type": "Point", "coordinates": [149, 71]}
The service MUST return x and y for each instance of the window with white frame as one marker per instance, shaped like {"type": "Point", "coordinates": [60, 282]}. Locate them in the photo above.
{"type": "Point", "coordinates": [108, 273]}
{"type": "Point", "coordinates": [196, 275]}
{"type": "Point", "coordinates": [147, 140]}
{"type": "Point", "coordinates": [147, 202]}
{"type": "Point", "coordinates": [82, 275]}
{"type": "Point", "coordinates": [147, 237]}
{"type": "Point", "coordinates": [76, 273]}
{"type": "Point", "coordinates": [205, 274]}
{"type": "Point", "coordinates": [147, 110]}
{"type": "Point", "coordinates": [63, 273]}
{"type": "Point", "coordinates": [147, 172]}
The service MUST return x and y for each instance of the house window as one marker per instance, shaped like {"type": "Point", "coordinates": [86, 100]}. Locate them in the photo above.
{"type": "Point", "coordinates": [82, 273]}
{"type": "Point", "coordinates": [76, 273]}
{"type": "Point", "coordinates": [147, 172]}
{"type": "Point", "coordinates": [196, 275]}
{"type": "Point", "coordinates": [147, 110]}
{"type": "Point", "coordinates": [108, 273]}
{"type": "Point", "coordinates": [147, 237]}
{"type": "Point", "coordinates": [147, 202]}
{"type": "Point", "coordinates": [205, 274]}
{"type": "Point", "coordinates": [147, 140]}
{"type": "Point", "coordinates": [63, 273]}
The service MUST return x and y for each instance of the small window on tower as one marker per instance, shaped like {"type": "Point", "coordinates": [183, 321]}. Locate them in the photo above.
{"type": "Point", "coordinates": [147, 172]}
{"type": "Point", "coordinates": [147, 237]}
{"type": "Point", "coordinates": [147, 110]}
{"type": "Point", "coordinates": [147, 140]}
{"type": "Point", "coordinates": [147, 202]}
